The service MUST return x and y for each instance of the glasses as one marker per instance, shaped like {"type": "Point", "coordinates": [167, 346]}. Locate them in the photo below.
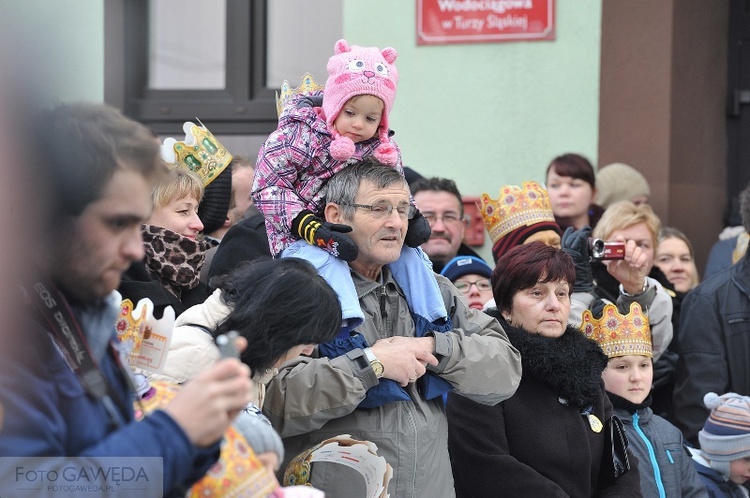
{"type": "Point", "coordinates": [448, 218]}
{"type": "Point", "coordinates": [384, 210]}
{"type": "Point", "coordinates": [483, 284]}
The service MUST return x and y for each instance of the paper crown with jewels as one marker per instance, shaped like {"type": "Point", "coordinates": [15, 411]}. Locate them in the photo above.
{"type": "Point", "coordinates": [200, 152]}
{"type": "Point", "coordinates": [307, 86]}
{"type": "Point", "coordinates": [516, 207]}
{"type": "Point", "coordinates": [618, 334]}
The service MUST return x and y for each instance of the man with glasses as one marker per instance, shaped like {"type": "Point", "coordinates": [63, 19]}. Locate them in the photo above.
{"type": "Point", "coordinates": [408, 364]}
{"type": "Point", "coordinates": [440, 203]}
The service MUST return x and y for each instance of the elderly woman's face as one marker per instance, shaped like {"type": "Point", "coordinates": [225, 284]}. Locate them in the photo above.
{"type": "Point", "coordinates": [541, 309]}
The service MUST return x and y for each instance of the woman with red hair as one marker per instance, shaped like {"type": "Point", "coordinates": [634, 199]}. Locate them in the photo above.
{"type": "Point", "coordinates": [548, 438]}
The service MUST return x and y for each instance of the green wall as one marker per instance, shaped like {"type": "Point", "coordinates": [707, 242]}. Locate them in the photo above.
{"type": "Point", "coordinates": [489, 114]}
{"type": "Point", "coordinates": [483, 114]}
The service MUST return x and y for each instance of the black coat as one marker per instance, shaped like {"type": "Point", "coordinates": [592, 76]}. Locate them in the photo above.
{"type": "Point", "coordinates": [137, 283]}
{"type": "Point", "coordinates": [534, 444]}
{"type": "Point", "coordinates": [714, 345]}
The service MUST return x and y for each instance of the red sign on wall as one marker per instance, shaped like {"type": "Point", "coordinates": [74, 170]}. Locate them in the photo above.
{"type": "Point", "coordinates": [480, 21]}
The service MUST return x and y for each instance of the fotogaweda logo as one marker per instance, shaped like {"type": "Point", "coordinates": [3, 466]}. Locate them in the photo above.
{"type": "Point", "coordinates": [63, 477]}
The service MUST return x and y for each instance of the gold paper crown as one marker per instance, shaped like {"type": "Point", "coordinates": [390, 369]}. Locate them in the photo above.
{"type": "Point", "coordinates": [200, 152]}
{"type": "Point", "coordinates": [137, 323]}
{"type": "Point", "coordinates": [238, 472]}
{"type": "Point", "coordinates": [307, 86]}
{"type": "Point", "coordinates": [131, 326]}
{"type": "Point", "coordinates": [515, 207]}
{"type": "Point", "coordinates": [618, 334]}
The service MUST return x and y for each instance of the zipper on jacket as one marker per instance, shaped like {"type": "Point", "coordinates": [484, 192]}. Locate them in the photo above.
{"type": "Point", "coordinates": [383, 311]}
{"type": "Point", "coordinates": [415, 449]}
{"type": "Point", "coordinates": [669, 455]}
{"type": "Point", "coordinates": [651, 455]}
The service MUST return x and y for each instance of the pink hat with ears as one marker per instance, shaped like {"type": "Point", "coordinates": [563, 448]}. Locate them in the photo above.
{"type": "Point", "coordinates": [356, 71]}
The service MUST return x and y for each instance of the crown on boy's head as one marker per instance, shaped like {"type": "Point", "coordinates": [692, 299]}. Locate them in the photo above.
{"type": "Point", "coordinates": [200, 152]}
{"type": "Point", "coordinates": [515, 207]}
{"type": "Point", "coordinates": [618, 334]}
{"type": "Point", "coordinates": [307, 86]}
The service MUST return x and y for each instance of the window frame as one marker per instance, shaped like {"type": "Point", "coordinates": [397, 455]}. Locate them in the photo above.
{"type": "Point", "coordinates": [245, 106]}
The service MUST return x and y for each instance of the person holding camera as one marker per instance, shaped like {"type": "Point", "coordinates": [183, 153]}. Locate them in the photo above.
{"type": "Point", "coordinates": [633, 278]}
{"type": "Point", "coordinates": [626, 279]}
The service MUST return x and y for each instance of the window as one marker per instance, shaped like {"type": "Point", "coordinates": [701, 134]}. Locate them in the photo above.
{"type": "Point", "coordinates": [220, 61]}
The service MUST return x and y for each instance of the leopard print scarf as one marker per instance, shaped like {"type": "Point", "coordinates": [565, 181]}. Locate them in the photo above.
{"type": "Point", "coordinates": [173, 259]}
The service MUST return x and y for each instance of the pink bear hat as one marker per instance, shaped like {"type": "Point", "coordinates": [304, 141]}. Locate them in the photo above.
{"type": "Point", "coordinates": [353, 71]}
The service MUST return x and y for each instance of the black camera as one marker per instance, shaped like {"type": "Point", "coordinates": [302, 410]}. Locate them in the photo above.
{"type": "Point", "coordinates": [601, 250]}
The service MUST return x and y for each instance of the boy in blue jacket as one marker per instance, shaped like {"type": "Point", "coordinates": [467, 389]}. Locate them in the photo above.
{"type": "Point", "coordinates": [665, 466]}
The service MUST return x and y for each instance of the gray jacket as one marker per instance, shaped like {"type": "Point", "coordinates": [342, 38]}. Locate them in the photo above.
{"type": "Point", "coordinates": [659, 447]}
{"type": "Point", "coordinates": [312, 399]}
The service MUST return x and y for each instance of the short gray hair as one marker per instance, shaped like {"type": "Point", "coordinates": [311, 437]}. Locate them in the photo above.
{"type": "Point", "coordinates": [342, 188]}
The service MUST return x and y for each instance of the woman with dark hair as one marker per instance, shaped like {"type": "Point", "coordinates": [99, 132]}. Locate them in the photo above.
{"type": "Point", "coordinates": [282, 307]}
{"type": "Point", "coordinates": [571, 186]}
{"type": "Point", "coordinates": [547, 439]}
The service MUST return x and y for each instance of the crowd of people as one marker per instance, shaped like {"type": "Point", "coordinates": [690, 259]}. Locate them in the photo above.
{"type": "Point", "coordinates": [323, 295]}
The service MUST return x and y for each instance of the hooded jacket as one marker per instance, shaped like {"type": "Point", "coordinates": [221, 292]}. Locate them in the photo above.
{"type": "Point", "coordinates": [313, 399]}
{"type": "Point", "coordinates": [293, 165]}
{"type": "Point", "coordinates": [192, 349]}
{"type": "Point", "coordinates": [47, 412]}
{"type": "Point", "coordinates": [713, 346]}
{"type": "Point", "coordinates": [540, 441]}
{"type": "Point", "coordinates": [665, 465]}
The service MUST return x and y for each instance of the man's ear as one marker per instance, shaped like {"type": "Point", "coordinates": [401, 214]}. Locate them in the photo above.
{"type": "Point", "coordinates": [333, 213]}
{"type": "Point", "coordinates": [227, 222]}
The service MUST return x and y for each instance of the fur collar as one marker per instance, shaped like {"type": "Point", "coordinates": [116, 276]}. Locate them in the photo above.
{"type": "Point", "coordinates": [571, 364]}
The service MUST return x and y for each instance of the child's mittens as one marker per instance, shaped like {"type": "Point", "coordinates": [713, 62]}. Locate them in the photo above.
{"type": "Point", "coordinates": [419, 231]}
{"type": "Point", "coordinates": [328, 236]}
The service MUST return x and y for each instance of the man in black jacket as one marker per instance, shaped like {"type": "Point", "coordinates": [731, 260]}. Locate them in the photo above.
{"type": "Point", "coordinates": [714, 340]}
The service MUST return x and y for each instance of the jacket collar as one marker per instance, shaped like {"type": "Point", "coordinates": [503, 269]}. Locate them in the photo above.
{"type": "Point", "coordinates": [741, 278]}
{"type": "Point", "coordinates": [570, 364]}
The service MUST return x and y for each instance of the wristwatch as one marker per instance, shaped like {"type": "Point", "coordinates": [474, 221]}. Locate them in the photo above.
{"type": "Point", "coordinates": [376, 365]}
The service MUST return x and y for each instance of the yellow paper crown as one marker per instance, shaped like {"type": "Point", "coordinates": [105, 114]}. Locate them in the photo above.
{"type": "Point", "coordinates": [618, 334]}
{"type": "Point", "coordinates": [200, 152]}
{"type": "Point", "coordinates": [307, 86]}
{"type": "Point", "coordinates": [136, 323]}
{"type": "Point", "coordinates": [238, 472]}
{"type": "Point", "coordinates": [515, 207]}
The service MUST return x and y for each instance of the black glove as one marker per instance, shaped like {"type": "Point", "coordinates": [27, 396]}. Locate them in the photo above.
{"type": "Point", "coordinates": [418, 232]}
{"type": "Point", "coordinates": [575, 243]}
{"type": "Point", "coordinates": [328, 236]}
{"type": "Point", "coordinates": [315, 100]}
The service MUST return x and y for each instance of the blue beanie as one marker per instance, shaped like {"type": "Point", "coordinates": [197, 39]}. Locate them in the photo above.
{"type": "Point", "coordinates": [466, 265]}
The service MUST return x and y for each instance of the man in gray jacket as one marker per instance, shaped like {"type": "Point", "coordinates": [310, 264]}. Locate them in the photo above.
{"type": "Point", "coordinates": [389, 392]}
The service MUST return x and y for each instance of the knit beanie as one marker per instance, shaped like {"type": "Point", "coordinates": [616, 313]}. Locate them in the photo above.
{"type": "Point", "coordinates": [519, 236]}
{"type": "Point", "coordinates": [619, 182]}
{"type": "Point", "coordinates": [726, 433]}
{"type": "Point", "coordinates": [214, 206]}
{"type": "Point", "coordinates": [258, 432]}
{"type": "Point", "coordinates": [353, 71]}
{"type": "Point", "coordinates": [466, 265]}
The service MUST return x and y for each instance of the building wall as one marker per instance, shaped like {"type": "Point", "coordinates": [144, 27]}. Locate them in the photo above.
{"type": "Point", "coordinates": [664, 67]}
{"type": "Point", "coordinates": [489, 114]}
{"type": "Point", "coordinates": [495, 113]}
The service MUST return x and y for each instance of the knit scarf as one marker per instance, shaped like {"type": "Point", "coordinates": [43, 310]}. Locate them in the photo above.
{"type": "Point", "coordinates": [571, 364]}
{"type": "Point", "coordinates": [172, 259]}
